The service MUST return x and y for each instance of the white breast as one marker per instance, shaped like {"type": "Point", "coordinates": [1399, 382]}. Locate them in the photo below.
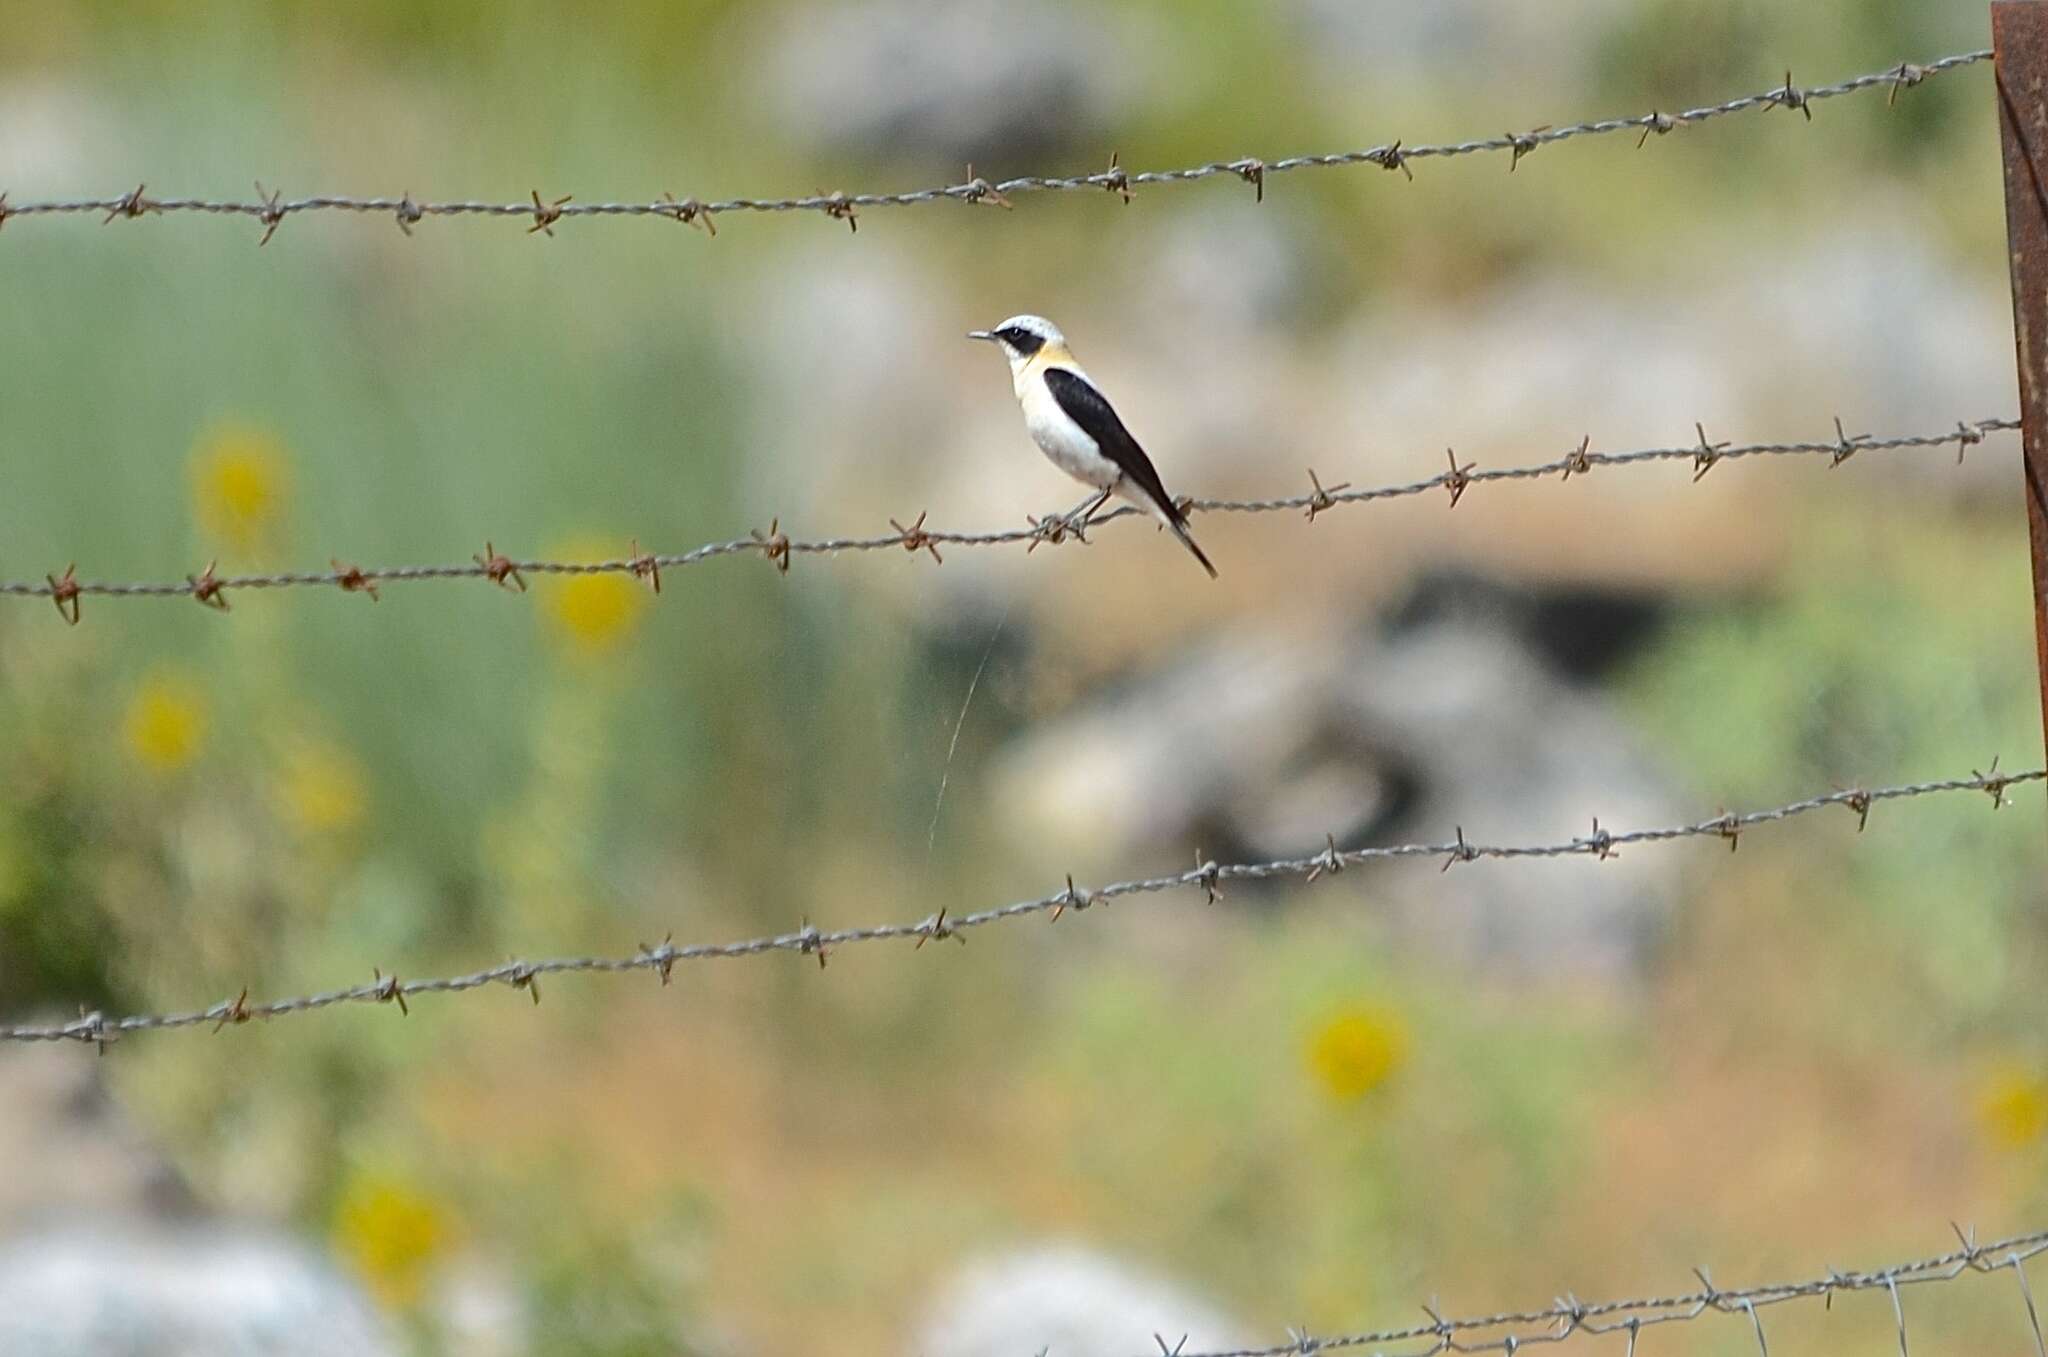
{"type": "Point", "coordinates": [1059, 438]}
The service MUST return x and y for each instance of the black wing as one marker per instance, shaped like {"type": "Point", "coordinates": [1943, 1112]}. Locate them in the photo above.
{"type": "Point", "coordinates": [1091, 410]}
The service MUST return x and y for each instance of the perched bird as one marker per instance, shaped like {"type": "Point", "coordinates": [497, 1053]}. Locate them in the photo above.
{"type": "Point", "coordinates": [1075, 426]}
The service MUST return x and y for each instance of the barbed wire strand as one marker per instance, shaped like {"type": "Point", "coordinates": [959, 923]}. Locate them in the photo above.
{"type": "Point", "coordinates": [1209, 877]}
{"type": "Point", "coordinates": [272, 208]}
{"type": "Point", "coordinates": [1569, 1316]}
{"type": "Point", "coordinates": [210, 588]}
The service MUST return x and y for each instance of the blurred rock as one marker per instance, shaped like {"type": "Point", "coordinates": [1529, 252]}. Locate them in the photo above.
{"type": "Point", "coordinates": [1263, 742]}
{"type": "Point", "coordinates": [1872, 323]}
{"type": "Point", "coordinates": [830, 332]}
{"type": "Point", "coordinates": [1065, 1301]}
{"type": "Point", "coordinates": [136, 1290]}
{"type": "Point", "coordinates": [997, 82]}
{"type": "Point", "coordinates": [1891, 334]}
{"type": "Point", "coordinates": [1458, 40]}
{"type": "Point", "coordinates": [57, 1115]}
{"type": "Point", "coordinates": [479, 1312]}
{"type": "Point", "coordinates": [51, 136]}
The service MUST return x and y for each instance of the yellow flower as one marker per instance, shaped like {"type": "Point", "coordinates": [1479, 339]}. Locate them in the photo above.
{"type": "Point", "coordinates": [2012, 1107]}
{"type": "Point", "coordinates": [1356, 1051]}
{"type": "Point", "coordinates": [166, 723]}
{"type": "Point", "coordinates": [592, 614]}
{"type": "Point", "coordinates": [393, 1234]}
{"type": "Point", "coordinates": [238, 484]}
{"type": "Point", "coordinates": [323, 788]}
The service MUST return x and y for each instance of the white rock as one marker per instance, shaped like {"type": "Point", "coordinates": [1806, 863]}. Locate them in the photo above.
{"type": "Point", "coordinates": [1070, 1302]}
{"type": "Point", "coordinates": [131, 1290]}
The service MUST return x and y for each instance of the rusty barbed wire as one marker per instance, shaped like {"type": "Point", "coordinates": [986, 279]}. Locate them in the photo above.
{"type": "Point", "coordinates": [778, 547]}
{"type": "Point", "coordinates": [269, 208]}
{"type": "Point", "coordinates": [1569, 1316]}
{"type": "Point", "coordinates": [807, 940]}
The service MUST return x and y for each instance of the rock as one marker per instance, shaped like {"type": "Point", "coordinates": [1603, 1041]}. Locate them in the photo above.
{"type": "Point", "coordinates": [137, 1290]}
{"type": "Point", "coordinates": [1454, 40]}
{"type": "Point", "coordinates": [1003, 83]}
{"type": "Point", "coordinates": [1068, 1302]}
{"type": "Point", "coordinates": [57, 1115]}
{"type": "Point", "coordinates": [1260, 745]}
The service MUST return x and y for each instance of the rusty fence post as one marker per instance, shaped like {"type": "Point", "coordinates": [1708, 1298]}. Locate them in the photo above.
{"type": "Point", "coordinates": [2019, 39]}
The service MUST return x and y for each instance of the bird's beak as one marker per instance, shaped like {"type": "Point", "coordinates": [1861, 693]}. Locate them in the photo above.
{"type": "Point", "coordinates": [980, 334]}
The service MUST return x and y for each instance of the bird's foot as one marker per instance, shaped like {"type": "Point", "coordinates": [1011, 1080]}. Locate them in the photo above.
{"type": "Point", "coordinates": [1083, 514]}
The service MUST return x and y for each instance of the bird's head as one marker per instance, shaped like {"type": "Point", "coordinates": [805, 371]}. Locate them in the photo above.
{"type": "Point", "coordinates": [1023, 338]}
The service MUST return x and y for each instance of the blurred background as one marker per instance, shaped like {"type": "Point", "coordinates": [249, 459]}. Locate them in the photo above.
{"type": "Point", "coordinates": [1314, 1105]}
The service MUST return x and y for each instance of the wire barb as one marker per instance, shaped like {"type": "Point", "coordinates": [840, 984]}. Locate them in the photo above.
{"type": "Point", "coordinates": [1252, 170]}
{"type": "Point", "coordinates": [661, 960]}
{"type": "Point", "coordinates": [1116, 179]}
{"type": "Point", "coordinates": [1791, 96]}
{"type": "Point", "coordinates": [688, 211]}
{"type": "Point", "coordinates": [1521, 144]}
{"type": "Point", "coordinates": [916, 539]}
{"type": "Point", "coordinates": [236, 1012]}
{"type": "Point", "coordinates": [1391, 157]}
{"type": "Point", "coordinates": [64, 593]}
{"type": "Point", "coordinates": [545, 214]}
{"type": "Point", "coordinates": [1706, 454]}
{"type": "Point", "coordinates": [498, 568]}
{"type": "Point", "coordinates": [1992, 784]}
{"type": "Point", "coordinates": [527, 978]}
{"type": "Point", "coordinates": [1319, 498]}
{"type": "Point", "coordinates": [774, 544]}
{"type": "Point", "coordinates": [1655, 122]}
{"type": "Point", "coordinates": [1328, 863]}
{"type": "Point", "coordinates": [1967, 435]}
{"type": "Point", "coordinates": [980, 190]}
{"type": "Point", "coordinates": [645, 565]}
{"type": "Point", "coordinates": [1073, 897]}
{"type": "Point", "coordinates": [840, 208]}
{"type": "Point", "coordinates": [2016, 1261]}
{"type": "Point", "coordinates": [353, 580]}
{"type": "Point", "coordinates": [387, 990]}
{"type": "Point", "coordinates": [130, 205]}
{"type": "Point", "coordinates": [272, 215]}
{"type": "Point", "coordinates": [1846, 446]}
{"type": "Point", "coordinates": [408, 213]}
{"type": "Point", "coordinates": [811, 942]}
{"type": "Point", "coordinates": [1907, 76]}
{"type": "Point", "coordinates": [1577, 463]}
{"type": "Point", "coordinates": [205, 588]}
{"type": "Point", "coordinates": [1458, 477]}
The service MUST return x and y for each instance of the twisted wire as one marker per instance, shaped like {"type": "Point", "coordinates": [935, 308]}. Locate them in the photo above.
{"type": "Point", "coordinates": [1051, 530]}
{"type": "Point", "coordinates": [270, 209]}
{"type": "Point", "coordinates": [1569, 1316]}
{"type": "Point", "coordinates": [808, 940]}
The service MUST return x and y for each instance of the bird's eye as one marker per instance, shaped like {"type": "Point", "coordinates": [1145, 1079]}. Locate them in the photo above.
{"type": "Point", "coordinates": [1020, 339]}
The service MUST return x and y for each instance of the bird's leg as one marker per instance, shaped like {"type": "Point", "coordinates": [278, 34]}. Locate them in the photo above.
{"type": "Point", "coordinates": [1084, 513]}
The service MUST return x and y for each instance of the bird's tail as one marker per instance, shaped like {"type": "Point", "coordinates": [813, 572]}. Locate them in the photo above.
{"type": "Point", "coordinates": [1178, 522]}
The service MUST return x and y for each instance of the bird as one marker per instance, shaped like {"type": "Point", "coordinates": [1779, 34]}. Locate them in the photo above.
{"type": "Point", "coordinates": [1077, 428]}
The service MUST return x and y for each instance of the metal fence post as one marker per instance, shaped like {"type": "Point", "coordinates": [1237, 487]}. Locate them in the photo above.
{"type": "Point", "coordinates": [2019, 41]}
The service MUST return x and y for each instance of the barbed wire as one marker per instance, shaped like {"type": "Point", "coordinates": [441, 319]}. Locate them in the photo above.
{"type": "Point", "coordinates": [271, 208]}
{"type": "Point", "coordinates": [1569, 1316]}
{"type": "Point", "coordinates": [211, 588]}
{"type": "Point", "coordinates": [1209, 877]}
